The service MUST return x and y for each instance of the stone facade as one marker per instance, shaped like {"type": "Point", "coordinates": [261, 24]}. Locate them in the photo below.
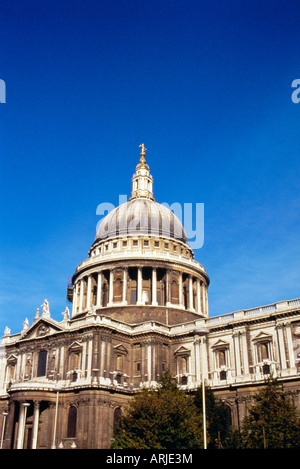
{"type": "Point", "coordinates": [139, 307]}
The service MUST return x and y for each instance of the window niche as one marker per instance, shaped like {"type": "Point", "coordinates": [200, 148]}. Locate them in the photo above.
{"type": "Point", "coordinates": [263, 352]}
{"type": "Point", "coordinates": [182, 356]}
{"type": "Point", "coordinates": [75, 353]}
{"type": "Point", "coordinates": [72, 422]}
{"type": "Point", "coordinates": [221, 360]}
{"type": "Point", "coordinates": [42, 363]}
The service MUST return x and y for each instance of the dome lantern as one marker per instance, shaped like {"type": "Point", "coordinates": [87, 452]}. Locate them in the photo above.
{"type": "Point", "coordinates": [142, 181]}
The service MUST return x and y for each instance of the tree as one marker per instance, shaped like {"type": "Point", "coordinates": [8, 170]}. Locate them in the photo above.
{"type": "Point", "coordinates": [162, 418]}
{"type": "Point", "coordinates": [273, 421]}
{"type": "Point", "coordinates": [217, 417]}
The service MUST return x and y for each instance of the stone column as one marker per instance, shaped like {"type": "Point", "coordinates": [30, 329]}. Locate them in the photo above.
{"type": "Point", "coordinates": [102, 355]}
{"type": "Point", "coordinates": [10, 425]}
{"type": "Point", "coordinates": [22, 424]}
{"type": "Point", "coordinates": [90, 353]}
{"type": "Point", "coordinates": [154, 287]}
{"type": "Point", "coordinates": [245, 354]}
{"type": "Point", "coordinates": [124, 286]}
{"type": "Point", "coordinates": [202, 297]}
{"type": "Point", "coordinates": [180, 290]}
{"type": "Point", "coordinates": [290, 345]}
{"type": "Point", "coordinates": [197, 360]}
{"type": "Point", "coordinates": [198, 296]}
{"type": "Point", "coordinates": [139, 286]}
{"type": "Point", "coordinates": [191, 292]}
{"type": "Point", "coordinates": [74, 306]}
{"type": "Point", "coordinates": [168, 302]}
{"type": "Point", "coordinates": [111, 287]}
{"type": "Point", "coordinates": [236, 342]}
{"type": "Point", "coordinates": [35, 428]}
{"type": "Point", "coordinates": [61, 362]}
{"type": "Point", "coordinates": [99, 288]}
{"type": "Point", "coordinates": [281, 346]}
{"type": "Point", "coordinates": [206, 302]}
{"type": "Point", "coordinates": [83, 361]}
{"type": "Point", "coordinates": [81, 295]}
{"type": "Point", "coordinates": [88, 296]}
{"type": "Point", "coordinates": [189, 369]}
{"type": "Point", "coordinates": [149, 355]}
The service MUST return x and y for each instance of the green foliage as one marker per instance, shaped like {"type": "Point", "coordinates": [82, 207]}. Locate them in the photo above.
{"type": "Point", "coordinates": [217, 417]}
{"type": "Point", "coordinates": [168, 418]}
{"type": "Point", "coordinates": [272, 421]}
{"type": "Point", "coordinates": [165, 418]}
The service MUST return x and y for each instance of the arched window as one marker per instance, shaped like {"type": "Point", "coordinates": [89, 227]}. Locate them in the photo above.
{"type": "Point", "coordinates": [42, 363]}
{"type": "Point", "coordinates": [72, 421]}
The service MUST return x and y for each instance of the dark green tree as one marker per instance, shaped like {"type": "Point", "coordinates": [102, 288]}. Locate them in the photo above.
{"type": "Point", "coordinates": [217, 417]}
{"type": "Point", "coordinates": [272, 421]}
{"type": "Point", "coordinates": [163, 418]}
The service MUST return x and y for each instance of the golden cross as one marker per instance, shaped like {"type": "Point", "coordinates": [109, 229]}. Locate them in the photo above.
{"type": "Point", "coordinates": [142, 146]}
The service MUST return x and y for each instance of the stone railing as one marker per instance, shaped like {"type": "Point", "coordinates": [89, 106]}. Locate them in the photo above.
{"type": "Point", "coordinates": [140, 254]}
{"type": "Point", "coordinates": [279, 306]}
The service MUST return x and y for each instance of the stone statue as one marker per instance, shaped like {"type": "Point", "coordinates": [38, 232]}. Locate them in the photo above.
{"type": "Point", "coordinates": [45, 306]}
{"type": "Point", "coordinates": [66, 314]}
{"type": "Point", "coordinates": [25, 324]}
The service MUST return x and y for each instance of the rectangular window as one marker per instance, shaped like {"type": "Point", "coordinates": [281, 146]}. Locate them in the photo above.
{"type": "Point", "coordinates": [263, 351]}
{"type": "Point", "coordinates": [42, 362]}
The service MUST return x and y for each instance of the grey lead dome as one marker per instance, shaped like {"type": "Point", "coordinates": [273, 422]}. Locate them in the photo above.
{"type": "Point", "coordinates": [141, 216]}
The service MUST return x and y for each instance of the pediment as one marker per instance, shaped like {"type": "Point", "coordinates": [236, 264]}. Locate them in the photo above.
{"type": "Point", "coordinates": [120, 349]}
{"type": "Point", "coordinates": [12, 359]}
{"type": "Point", "coordinates": [40, 328]}
{"type": "Point", "coordinates": [75, 346]}
{"type": "Point", "coordinates": [220, 344]}
{"type": "Point", "coordinates": [261, 337]}
{"type": "Point", "coordinates": [182, 351]}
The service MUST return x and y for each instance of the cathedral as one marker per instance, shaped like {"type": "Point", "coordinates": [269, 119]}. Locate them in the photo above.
{"type": "Point", "coordinates": [138, 307]}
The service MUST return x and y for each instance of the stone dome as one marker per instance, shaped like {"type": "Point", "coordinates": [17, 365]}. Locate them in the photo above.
{"type": "Point", "coordinates": [141, 217]}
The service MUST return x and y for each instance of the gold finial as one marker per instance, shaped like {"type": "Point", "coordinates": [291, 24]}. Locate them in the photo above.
{"type": "Point", "coordinates": [143, 153]}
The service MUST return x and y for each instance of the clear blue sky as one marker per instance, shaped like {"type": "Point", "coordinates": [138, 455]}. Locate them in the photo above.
{"type": "Point", "coordinates": [206, 85]}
